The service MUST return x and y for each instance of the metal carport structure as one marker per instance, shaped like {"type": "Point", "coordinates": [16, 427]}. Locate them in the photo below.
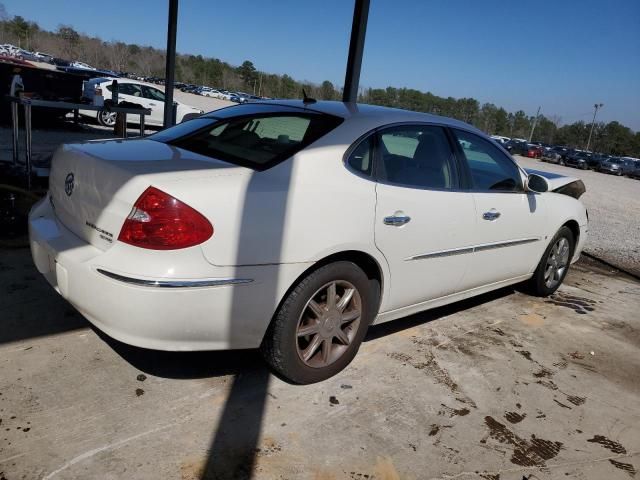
{"type": "Point", "coordinates": [354, 59]}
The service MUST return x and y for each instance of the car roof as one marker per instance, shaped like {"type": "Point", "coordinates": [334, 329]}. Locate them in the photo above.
{"type": "Point", "coordinates": [371, 113]}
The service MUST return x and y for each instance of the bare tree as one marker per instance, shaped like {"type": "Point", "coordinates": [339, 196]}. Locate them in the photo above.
{"type": "Point", "coordinates": [117, 54]}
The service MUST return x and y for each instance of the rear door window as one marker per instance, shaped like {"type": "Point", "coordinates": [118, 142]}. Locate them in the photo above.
{"type": "Point", "coordinates": [418, 156]}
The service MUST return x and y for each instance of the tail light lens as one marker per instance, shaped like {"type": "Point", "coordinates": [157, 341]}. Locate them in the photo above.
{"type": "Point", "coordinates": [159, 221]}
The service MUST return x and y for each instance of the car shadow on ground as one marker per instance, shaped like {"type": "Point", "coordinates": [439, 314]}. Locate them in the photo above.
{"type": "Point", "coordinates": [210, 364]}
{"type": "Point", "coordinates": [389, 328]}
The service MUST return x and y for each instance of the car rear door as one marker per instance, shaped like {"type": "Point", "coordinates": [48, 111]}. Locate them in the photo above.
{"type": "Point", "coordinates": [508, 240]}
{"type": "Point", "coordinates": [423, 223]}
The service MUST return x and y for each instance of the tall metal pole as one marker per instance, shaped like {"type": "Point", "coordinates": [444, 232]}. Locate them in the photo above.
{"type": "Point", "coordinates": [356, 49]}
{"type": "Point", "coordinates": [533, 127]}
{"type": "Point", "coordinates": [595, 111]}
{"type": "Point", "coordinates": [169, 74]}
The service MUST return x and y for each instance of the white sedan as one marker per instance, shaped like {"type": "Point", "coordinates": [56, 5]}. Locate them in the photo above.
{"type": "Point", "coordinates": [131, 91]}
{"type": "Point", "coordinates": [294, 226]}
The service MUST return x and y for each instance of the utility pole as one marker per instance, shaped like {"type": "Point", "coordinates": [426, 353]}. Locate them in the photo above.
{"type": "Point", "coordinates": [596, 106]}
{"type": "Point", "coordinates": [533, 127]}
{"type": "Point", "coordinates": [170, 67]}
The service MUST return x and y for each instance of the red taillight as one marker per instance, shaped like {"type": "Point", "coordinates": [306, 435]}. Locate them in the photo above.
{"type": "Point", "coordinates": [160, 222]}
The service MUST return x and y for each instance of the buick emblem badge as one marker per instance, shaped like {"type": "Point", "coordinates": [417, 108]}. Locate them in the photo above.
{"type": "Point", "coordinates": [68, 184]}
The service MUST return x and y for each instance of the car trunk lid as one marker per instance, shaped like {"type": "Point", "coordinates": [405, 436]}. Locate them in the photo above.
{"type": "Point", "coordinates": [94, 185]}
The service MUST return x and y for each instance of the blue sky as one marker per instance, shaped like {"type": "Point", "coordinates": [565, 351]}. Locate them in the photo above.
{"type": "Point", "coordinates": [561, 55]}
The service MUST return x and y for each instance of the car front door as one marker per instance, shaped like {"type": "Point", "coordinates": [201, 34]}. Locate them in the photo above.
{"type": "Point", "coordinates": [508, 240]}
{"type": "Point", "coordinates": [424, 222]}
{"type": "Point", "coordinates": [155, 101]}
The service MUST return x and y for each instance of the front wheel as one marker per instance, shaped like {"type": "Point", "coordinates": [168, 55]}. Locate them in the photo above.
{"type": "Point", "coordinates": [318, 329]}
{"type": "Point", "coordinates": [554, 265]}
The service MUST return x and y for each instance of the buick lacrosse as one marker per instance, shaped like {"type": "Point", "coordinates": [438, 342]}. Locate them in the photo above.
{"type": "Point", "coordinates": [294, 225]}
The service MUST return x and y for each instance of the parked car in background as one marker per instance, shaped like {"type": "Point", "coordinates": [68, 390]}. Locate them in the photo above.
{"type": "Point", "coordinates": [617, 166]}
{"type": "Point", "coordinates": [577, 159]}
{"type": "Point", "coordinates": [133, 91]}
{"type": "Point", "coordinates": [500, 139]}
{"type": "Point", "coordinates": [207, 92]}
{"type": "Point", "coordinates": [635, 172]}
{"type": "Point", "coordinates": [594, 161]}
{"type": "Point", "coordinates": [562, 151]}
{"type": "Point", "coordinates": [516, 147]}
{"type": "Point", "coordinates": [552, 156]}
{"type": "Point", "coordinates": [197, 237]}
{"type": "Point", "coordinates": [534, 151]}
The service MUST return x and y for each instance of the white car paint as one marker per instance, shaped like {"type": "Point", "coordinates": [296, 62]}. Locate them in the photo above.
{"type": "Point", "coordinates": [147, 95]}
{"type": "Point", "coordinates": [270, 227]}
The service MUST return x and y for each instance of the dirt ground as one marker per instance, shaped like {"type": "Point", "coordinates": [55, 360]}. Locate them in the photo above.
{"type": "Point", "coordinates": [504, 386]}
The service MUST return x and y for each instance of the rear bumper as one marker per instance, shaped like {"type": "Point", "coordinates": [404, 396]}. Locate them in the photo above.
{"type": "Point", "coordinates": [216, 308]}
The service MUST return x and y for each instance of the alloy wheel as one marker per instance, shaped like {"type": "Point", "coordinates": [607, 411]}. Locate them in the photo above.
{"type": "Point", "coordinates": [108, 118]}
{"type": "Point", "coordinates": [328, 323]}
{"type": "Point", "coordinates": [557, 263]}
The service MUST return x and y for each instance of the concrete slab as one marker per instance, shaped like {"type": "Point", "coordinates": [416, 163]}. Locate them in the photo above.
{"type": "Point", "coordinates": [504, 386]}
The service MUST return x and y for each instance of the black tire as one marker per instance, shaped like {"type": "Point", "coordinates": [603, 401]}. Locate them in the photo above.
{"type": "Point", "coordinates": [281, 344]}
{"type": "Point", "coordinates": [106, 118]}
{"type": "Point", "coordinates": [537, 285]}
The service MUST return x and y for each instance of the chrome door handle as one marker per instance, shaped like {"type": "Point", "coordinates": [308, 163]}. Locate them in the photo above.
{"type": "Point", "coordinates": [397, 220]}
{"type": "Point", "coordinates": [492, 214]}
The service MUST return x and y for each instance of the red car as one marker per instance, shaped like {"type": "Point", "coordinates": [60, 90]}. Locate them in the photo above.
{"type": "Point", "coordinates": [534, 151]}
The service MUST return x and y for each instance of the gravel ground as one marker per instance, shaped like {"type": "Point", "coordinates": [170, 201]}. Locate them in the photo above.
{"type": "Point", "coordinates": [614, 213]}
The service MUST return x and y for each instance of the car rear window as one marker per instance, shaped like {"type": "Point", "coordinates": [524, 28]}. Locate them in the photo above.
{"type": "Point", "coordinates": [258, 137]}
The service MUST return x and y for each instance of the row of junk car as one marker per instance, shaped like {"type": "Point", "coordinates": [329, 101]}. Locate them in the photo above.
{"type": "Point", "coordinates": [571, 157]}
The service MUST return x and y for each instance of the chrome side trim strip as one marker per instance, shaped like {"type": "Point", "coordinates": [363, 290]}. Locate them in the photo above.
{"type": "Point", "coordinates": [475, 248]}
{"type": "Point", "coordinates": [509, 243]}
{"type": "Point", "coordinates": [214, 282]}
{"type": "Point", "coordinates": [442, 253]}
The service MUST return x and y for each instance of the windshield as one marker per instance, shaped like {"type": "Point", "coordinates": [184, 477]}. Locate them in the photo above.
{"type": "Point", "coordinates": [256, 136]}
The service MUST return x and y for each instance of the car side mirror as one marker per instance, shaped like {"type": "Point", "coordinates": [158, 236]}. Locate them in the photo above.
{"type": "Point", "coordinates": [536, 183]}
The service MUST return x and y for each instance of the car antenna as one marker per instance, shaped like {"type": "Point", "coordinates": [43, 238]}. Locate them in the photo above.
{"type": "Point", "coordinates": [306, 99]}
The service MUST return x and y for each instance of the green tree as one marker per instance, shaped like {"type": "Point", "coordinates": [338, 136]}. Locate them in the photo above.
{"type": "Point", "coordinates": [288, 87]}
{"type": "Point", "coordinates": [521, 125]}
{"type": "Point", "coordinates": [70, 39]}
{"type": "Point", "coordinates": [248, 73]}
{"type": "Point", "coordinates": [501, 122]}
{"type": "Point", "coordinates": [327, 91]}
{"type": "Point", "coordinates": [21, 29]}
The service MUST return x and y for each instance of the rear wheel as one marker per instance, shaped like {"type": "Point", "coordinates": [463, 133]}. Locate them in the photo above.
{"type": "Point", "coordinates": [320, 325]}
{"type": "Point", "coordinates": [106, 118]}
{"type": "Point", "coordinates": [554, 265]}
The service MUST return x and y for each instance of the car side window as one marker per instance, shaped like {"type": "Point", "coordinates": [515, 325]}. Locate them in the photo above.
{"type": "Point", "coordinates": [491, 169]}
{"type": "Point", "coordinates": [361, 158]}
{"type": "Point", "coordinates": [417, 156]}
{"type": "Point", "coordinates": [152, 93]}
{"type": "Point", "coordinates": [129, 89]}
